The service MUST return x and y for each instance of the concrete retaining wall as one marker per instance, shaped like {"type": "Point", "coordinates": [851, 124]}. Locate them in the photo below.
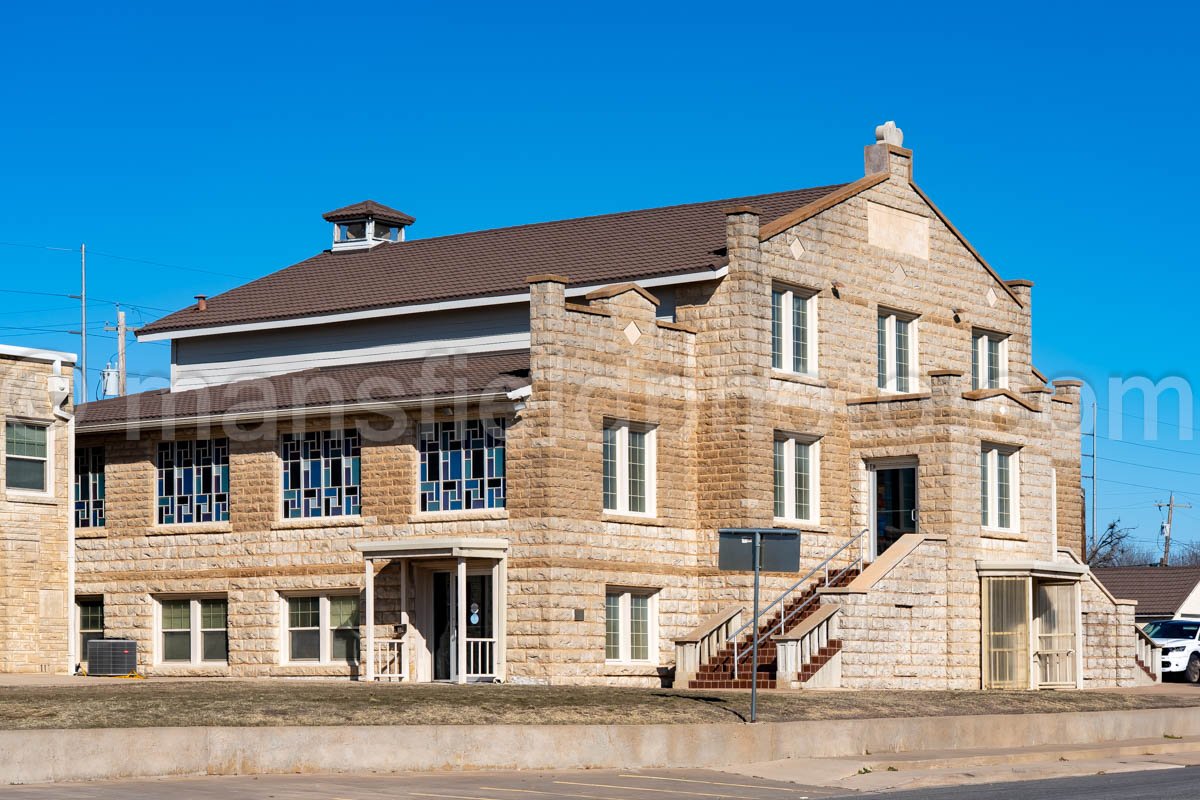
{"type": "Point", "coordinates": [64, 755]}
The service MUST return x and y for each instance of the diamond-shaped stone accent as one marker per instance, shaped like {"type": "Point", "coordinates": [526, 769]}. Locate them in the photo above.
{"type": "Point", "coordinates": [633, 332]}
{"type": "Point", "coordinates": [797, 248]}
{"type": "Point", "coordinates": [991, 297]}
{"type": "Point", "coordinates": [899, 275]}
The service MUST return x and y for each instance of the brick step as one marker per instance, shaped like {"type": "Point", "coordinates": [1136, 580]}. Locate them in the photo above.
{"type": "Point", "coordinates": [763, 683]}
{"type": "Point", "coordinates": [717, 672]}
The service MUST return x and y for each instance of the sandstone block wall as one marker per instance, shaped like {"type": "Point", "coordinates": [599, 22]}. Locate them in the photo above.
{"type": "Point", "coordinates": [35, 606]}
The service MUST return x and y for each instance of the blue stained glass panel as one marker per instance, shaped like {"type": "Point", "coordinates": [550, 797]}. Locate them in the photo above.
{"type": "Point", "coordinates": [462, 465]}
{"type": "Point", "coordinates": [321, 474]}
{"type": "Point", "coordinates": [193, 481]}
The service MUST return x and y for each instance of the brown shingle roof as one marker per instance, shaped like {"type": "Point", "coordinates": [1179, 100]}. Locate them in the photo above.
{"type": "Point", "coordinates": [415, 379]}
{"type": "Point", "coordinates": [614, 247]}
{"type": "Point", "coordinates": [368, 208]}
{"type": "Point", "coordinates": [1160, 591]}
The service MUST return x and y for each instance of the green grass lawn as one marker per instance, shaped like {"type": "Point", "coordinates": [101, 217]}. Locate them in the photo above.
{"type": "Point", "coordinates": [294, 702]}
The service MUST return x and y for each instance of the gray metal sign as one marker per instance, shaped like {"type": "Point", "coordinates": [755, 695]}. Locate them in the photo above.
{"type": "Point", "coordinates": [755, 550]}
{"type": "Point", "coordinates": [779, 550]}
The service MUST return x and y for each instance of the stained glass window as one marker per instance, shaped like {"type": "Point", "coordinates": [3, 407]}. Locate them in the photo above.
{"type": "Point", "coordinates": [322, 474]}
{"type": "Point", "coordinates": [462, 465]}
{"type": "Point", "coordinates": [89, 487]}
{"type": "Point", "coordinates": [193, 481]}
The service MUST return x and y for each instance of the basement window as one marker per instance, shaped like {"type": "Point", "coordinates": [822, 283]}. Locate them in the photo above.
{"type": "Point", "coordinates": [630, 626]}
{"type": "Point", "coordinates": [322, 629]}
{"type": "Point", "coordinates": [194, 631]}
{"type": "Point", "coordinates": [91, 622]}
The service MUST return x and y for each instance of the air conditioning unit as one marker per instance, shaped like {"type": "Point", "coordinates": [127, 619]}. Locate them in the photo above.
{"type": "Point", "coordinates": [109, 657]}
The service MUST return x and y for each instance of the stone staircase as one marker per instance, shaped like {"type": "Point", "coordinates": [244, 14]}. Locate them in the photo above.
{"type": "Point", "coordinates": [719, 673]}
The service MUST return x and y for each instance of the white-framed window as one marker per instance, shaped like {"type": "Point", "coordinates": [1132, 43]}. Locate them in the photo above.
{"type": "Point", "coordinates": [629, 468]}
{"type": "Point", "coordinates": [89, 616]}
{"type": "Point", "coordinates": [794, 330]}
{"type": "Point", "coordinates": [321, 629]}
{"type": "Point", "coordinates": [193, 630]}
{"type": "Point", "coordinates": [797, 469]}
{"type": "Point", "coordinates": [989, 360]}
{"type": "Point", "coordinates": [999, 483]}
{"type": "Point", "coordinates": [26, 456]}
{"type": "Point", "coordinates": [630, 625]}
{"type": "Point", "coordinates": [896, 351]}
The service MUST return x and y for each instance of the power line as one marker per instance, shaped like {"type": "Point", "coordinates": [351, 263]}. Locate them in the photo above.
{"type": "Point", "coordinates": [1151, 446]}
{"type": "Point", "coordinates": [92, 301]}
{"type": "Point", "coordinates": [125, 258]}
{"type": "Point", "coordinates": [172, 266]}
{"type": "Point", "coordinates": [1150, 466]}
{"type": "Point", "coordinates": [1143, 419]}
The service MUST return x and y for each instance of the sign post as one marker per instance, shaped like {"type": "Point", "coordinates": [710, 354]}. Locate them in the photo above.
{"type": "Point", "coordinates": [746, 549]}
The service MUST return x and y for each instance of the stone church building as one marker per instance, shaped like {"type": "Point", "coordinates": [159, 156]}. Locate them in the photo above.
{"type": "Point", "coordinates": [505, 455]}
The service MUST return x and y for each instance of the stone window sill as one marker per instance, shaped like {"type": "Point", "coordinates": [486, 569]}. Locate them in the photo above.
{"type": "Point", "coordinates": [800, 378]}
{"type": "Point", "coordinates": [800, 525]}
{"type": "Point", "coordinates": [470, 515]}
{"type": "Point", "coordinates": [90, 533]}
{"type": "Point", "coordinates": [32, 498]}
{"type": "Point", "coordinates": [201, 670]}
{"type": "Point", "coordinates": [313, 670]}
{"type": "Point", "coordinates": [630, 519]}
{"type": "Point", "coordinates": [1001, 533]}
{"type": "Point", "coordinates": [178, 528]}
{"type": "Point", "coordinates": [302, 523]}
{"type": "Point", "coordinates": [627, 669]}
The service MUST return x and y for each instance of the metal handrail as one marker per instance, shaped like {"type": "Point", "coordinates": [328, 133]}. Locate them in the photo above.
{"type": "Point", "coordinates": [786, 616]}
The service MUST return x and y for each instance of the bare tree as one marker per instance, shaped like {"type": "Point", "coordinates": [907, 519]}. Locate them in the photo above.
{"type": "Point", "coordinates": [1112, 547]}
{"type": "Point", "coordinates": [1186, 555]}
{"type": "Point", "coordinates": [1137, 555]}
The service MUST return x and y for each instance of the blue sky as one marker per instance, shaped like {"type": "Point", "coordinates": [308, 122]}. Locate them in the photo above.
{"type": "Point", "coordinates": [212, 136]}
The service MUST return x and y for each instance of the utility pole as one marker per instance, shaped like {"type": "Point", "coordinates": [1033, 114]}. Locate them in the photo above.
{"type": "Point", "coordinates": [1095, 521]}
{"type": "Point", "coordinates": [1171, 505]}
{"type": "Point", "coordinates": [83, 314]}
{"type": "Point", "coordinates": [120, 330]}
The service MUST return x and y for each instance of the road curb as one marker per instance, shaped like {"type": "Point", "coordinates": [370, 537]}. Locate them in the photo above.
{"type": "Point", "coordinates": [39, 756]}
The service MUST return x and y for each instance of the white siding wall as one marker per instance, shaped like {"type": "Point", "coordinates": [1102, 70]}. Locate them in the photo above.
{"type": "Point", "coordinates": [213, 360]}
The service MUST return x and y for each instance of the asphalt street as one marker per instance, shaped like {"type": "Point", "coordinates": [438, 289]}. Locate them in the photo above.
{"type": "Point", "coordinates": [592, 785]}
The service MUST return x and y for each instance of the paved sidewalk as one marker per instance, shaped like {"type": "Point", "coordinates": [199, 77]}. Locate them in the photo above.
{"type": "Point", "coordinates": [913, 770]}
{"type": "Point", "coordinates": [592, 784]}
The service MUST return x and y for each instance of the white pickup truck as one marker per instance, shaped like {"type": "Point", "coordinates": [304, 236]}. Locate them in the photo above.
{"type": "Point", "coordinates": [1180, 643]}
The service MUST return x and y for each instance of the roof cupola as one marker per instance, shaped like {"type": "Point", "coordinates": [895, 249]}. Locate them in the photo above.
{"type": "Point", "coordinates": [366, 224]}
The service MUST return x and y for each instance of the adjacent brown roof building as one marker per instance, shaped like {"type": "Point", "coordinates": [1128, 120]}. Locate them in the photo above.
{"type": "Point", "coordinates": [628, 246]}
{"type": "Point", "coordinates": [1161, 592]}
